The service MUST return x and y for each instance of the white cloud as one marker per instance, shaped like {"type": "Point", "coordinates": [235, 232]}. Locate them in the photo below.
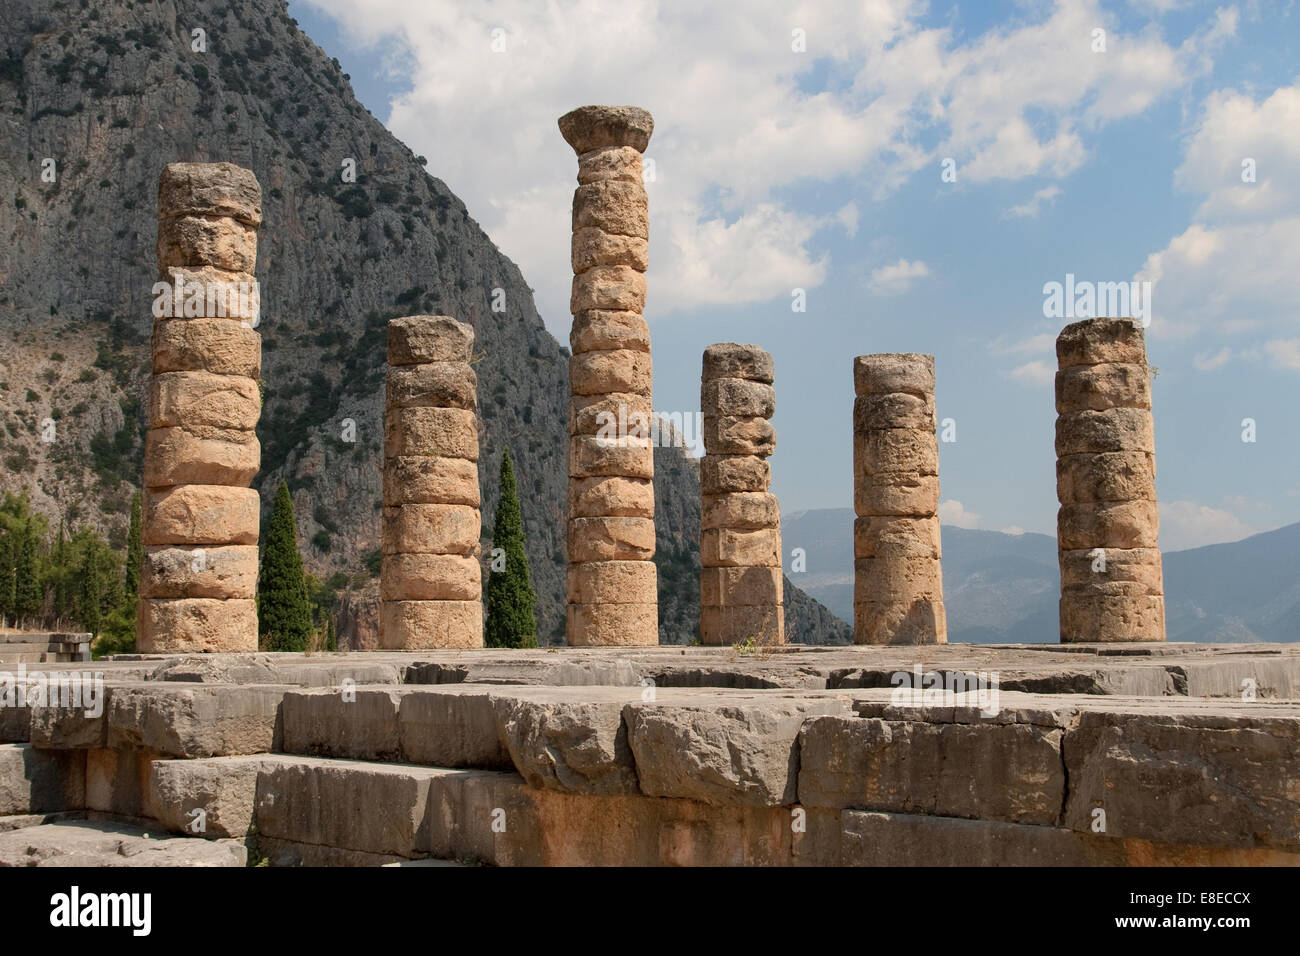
{"type": "Point", "coordinates": [1185, 524]}
{"type": "Point", "coordinates": [1285, 353]}
{"type": "Point", "coordinates": [736, 125]}
{"type": "Point", "coordinates": [954, 513]}
{"type": "Point", "coordinates": [897, 278]}
{"type": "Point", "coordinates": [1031, 208]}
{"type": "Point", "coordinates": [1014, 530]}
{"type": "Point", "coordinates": [1210, 363]}
{"type": "Point", "coordinates": [1034, 373]}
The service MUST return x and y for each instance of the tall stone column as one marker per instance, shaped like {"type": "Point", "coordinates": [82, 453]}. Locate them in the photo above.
{"type": "Point", "coordinates": [430, 586]}
{"type": "Point", "coordinates": [1112, 586]}
{"type": "Point", "coordinates": [741, 592]}
{"type": "Point", "coordinates": [198, 579]}
{"type": "Point", "coordinates": [612, 585]}
{"type": "Point", "coordinates": [898, 577]}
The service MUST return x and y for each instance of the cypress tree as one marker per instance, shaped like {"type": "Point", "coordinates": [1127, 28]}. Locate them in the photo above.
{"type": "Point", "coordinates": [27, 588]}
{"type": "Point", "coordinates": [511, 620]}
{"type": "Point", "coordinates": [283, 612]}
{"type": "Point", "coordinates": [62, 574]}
{"type": "Point", "coordinates": [92, 590]}
{"type": "Point", "coordinates": [134, 555]}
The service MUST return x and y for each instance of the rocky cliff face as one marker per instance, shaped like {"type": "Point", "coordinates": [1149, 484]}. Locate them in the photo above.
{"type": "Point", "coordinates": [95, 98]}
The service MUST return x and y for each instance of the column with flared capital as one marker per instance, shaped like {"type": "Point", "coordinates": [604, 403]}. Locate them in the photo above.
{"type": "Point", "coordinates": [612, 585]}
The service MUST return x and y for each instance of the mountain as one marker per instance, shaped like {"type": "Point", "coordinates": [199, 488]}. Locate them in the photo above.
{"type": "Point", "coordinates": [1001, 588]}
{"type": "Point", "coordinates": [104, 95]}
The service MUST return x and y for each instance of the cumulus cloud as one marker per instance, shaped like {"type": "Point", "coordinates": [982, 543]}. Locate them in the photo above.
{"type": "Point", "coordinates": [1285, 353]}
{"type": "Point", "coordinates": [954, 513]}
{"type": "Point", "coordinates": [1034, 205]}
{"type": "Point", "coordinates": [1034, 373]}
{"type": "Point", "coordinates": [737, 121]}
{"type": "Point", "coordinates": [1209, 363]}
{"type": "Point", "coordinates": [1186, 524]}
{"type": "Point", "coordinates": [896, 278]}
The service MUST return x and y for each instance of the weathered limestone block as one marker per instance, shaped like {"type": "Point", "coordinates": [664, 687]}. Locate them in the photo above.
{"type": "Point", "coordinates": [589, 128]}
{"type": "Point", "coordinates": [618, 370]}
{"type": "Point", "coordinates": [599, 625]}
{"type": "Point", "coordinates": [117, 781]}
{"type": "Point", "coordinates": [431, 529]}
{"type": "Point", "coordinates": [724, 753]}
{"type": "Point", "coordinates": [889, 537]}
{"type": "Point", "coordinates": [452, 726]}
{"type": "Point", "coordinates": [1115, 429]}
{"type": "Point", "coordinates": [610, 162]}
{"type": "Point", "coordinates": [605, 331]}
{"type": "Point", "coordinates": [591, 456]}
{"type": "Point", "coordinates": [728, 474]}
{"type": "Point", "coordinates": [611, 539]}
{"type": "Point", "coordinates": [733, 360]}
{"type": "Point", "coordinates": [211, 572]}
{"type": "Point", "coordinates": [209, 798]}
{"type": "Point", "coordinates": [760, 624]}
{"type": "Point", "coordinates": [1108, 524]}
{"type": "Point", "coordinates": [887, 373]}
{"type": "Point", "coordinates": [611, 415]}
{"type": "Point", "coordinates": [195, 720]}
{"type": "Point", "coordinates": [71, 724]}
{"type": "Point", "coordinates": [1086, 569]}
{"type": "Point", "coordinates": [1101, 341]}
{"type": "Point", "coordinates": [613, 206]}
{"type": "Point", "coordinates": [421, 339]}
{"type": "Point", "coordinates": [742, 511]}
{"type": "Point", "coordinates": [560, 741]}
{"type": "Point", "coordinates": [897, 495]}
{"type": "Point", "coordinates": [613, 582]}
{"type": "Point", "coordinates": [430, 577]}
{"type": "Point", "coordinates": [895, 451]}
{"type": "Point", "coordinates": [897, 579]}
{"type": "Point", "coordinates": [41, 781]}
{"type": "Point", "coordinates": [210, 189]}
{"type": "Point", "coordinates": [1092, 615]}
{"type": "Point", "coordinates": [416, 625]}
{"type": "Point", "coordinates": [1110, 476]}
{"type": "Point", "coordinates": [441, 385]}
{"type": "Point", "coordinates": [201, 398]}
{"type": "Point", "coordinates": [196, 625]}
{"type": "Point", "coordinates": [1098, 387]}
{"type": "Point", "coordinates": [210, 293]}
{"type": "Point", "coordinates": [1187, 778]}
{"type": "Point", "coordinates": [593, 246]}
{"type": "Point", "coordinates": [424, 480]}
{"type": "Point", "coordinates": [430, 433]}
{"type": "Point", "coordinates": [741, 586]}
{"type": "Point", "coordinates": [732, 547]}
{"type": "Point", "coordinates": [986, 770]}
{"type": "Point", "coordinates": [218, 346]}
{"type": "Point", "coordinates": [85, 844]}
{"type": "Point", "coordinates": [200, 515]}
{"type": "Point", "coordinates": [915, 622]}
{"type": "Point", "coordinates": [894, 410]}
{"type": "Point", "coordinates": [610, 288]}
{"type": "Point", "coordinates": [736, 435]}
{"type": "Point", "coordinates": [361, 724]}
{"type": "Point", "coordinates": [612, 496]}
{"type": "Point", "coordinates": [737, 397]}
{"type": "Point", "coordinates": [208, 241]}
{"type": "Point", "coordinates": [200, 455]}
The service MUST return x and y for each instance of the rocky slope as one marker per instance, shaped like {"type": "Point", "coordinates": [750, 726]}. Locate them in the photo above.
{"type": "Point", "coordinates": [103, 95]}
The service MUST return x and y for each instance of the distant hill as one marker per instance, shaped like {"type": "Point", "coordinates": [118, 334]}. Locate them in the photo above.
{"type": "Point", "coordinates": [1004, 588]}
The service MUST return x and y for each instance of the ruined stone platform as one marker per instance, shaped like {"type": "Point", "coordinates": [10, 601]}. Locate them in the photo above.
{"type": "Point", "coordinates": [1164, 754]}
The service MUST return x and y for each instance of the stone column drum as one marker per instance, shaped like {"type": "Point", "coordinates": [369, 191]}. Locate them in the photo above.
{"type": "Point", "coordinates": [612, 584]}
{"type": "Point", "coordinates": [898, 577]}
{"type": "Point", "coordinates": [741, 586]}
{"type": "Point", "coordinates": [198, 579]}
{"type": "Point", "coordinates": [1112, 586]}
{"type": "Point", "coordinates": [430, 580]}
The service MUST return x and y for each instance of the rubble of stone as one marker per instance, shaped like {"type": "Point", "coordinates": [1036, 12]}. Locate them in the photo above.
{"type": "Point", "coordinates": [1112, 587]}
{"type": "Point", "coordinates": [198, 579]}
{"type": "Point", "coordinates": [741, 584]}
{"type": "Point", "coordinates": [430, 579]}
{"type": "Point", "coordinates": [612, 589]}
{"type": "Point", "coordinates": [649, 756]}
{"type": "Point", "coordinates": [898, 578]}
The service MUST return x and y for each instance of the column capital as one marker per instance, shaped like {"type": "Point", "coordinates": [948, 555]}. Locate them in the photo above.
{"type": "Point", "coordinates": [596, 127]}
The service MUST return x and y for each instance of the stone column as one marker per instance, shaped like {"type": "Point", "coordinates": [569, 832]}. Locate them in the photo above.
{"type": "Point", "coordinates": [198, 579]}
{"type": "Point", "coordinates": [1112, 587]}
{"type": "Point", "coordinates": [430, 586]}
{"type": "Point", "coordinates": [612, 585]}
{"type": "Point", "coordinates": [741, 592]}
{"type": "Point", "coordinates": [898, 577]}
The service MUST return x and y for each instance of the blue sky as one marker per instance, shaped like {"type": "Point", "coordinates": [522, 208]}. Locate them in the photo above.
{"type": "Point", "coordinates": [779, 169]}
